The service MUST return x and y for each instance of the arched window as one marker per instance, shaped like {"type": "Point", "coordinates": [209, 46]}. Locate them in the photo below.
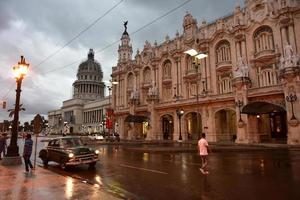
{"type": "Point", "coordinates": [267, 77]}
{"type": "Point", "coordinates": [130, 81]}
{"type": "Point", "coordinates": [147, 75]}
{"type": "Point", "coordinates": [224, 85]}
{"type": "Point", "coordinates": [223, 53]}
{"type": "Point", "coordinates": [166, 70]}
{"type": "Point", "coordinates": [189, 63]}
{"type": "Point", "coordinates": [263, 39]}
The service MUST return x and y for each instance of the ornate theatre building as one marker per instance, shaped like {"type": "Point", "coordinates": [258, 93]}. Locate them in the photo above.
{"type": "Point", "coordinates": [246, 90]}
{"type": "Point", "coordinates": [85, 112]}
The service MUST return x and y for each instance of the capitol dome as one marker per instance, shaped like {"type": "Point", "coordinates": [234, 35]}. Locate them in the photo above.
{"type": "Point", "coordinates": [89, 83]}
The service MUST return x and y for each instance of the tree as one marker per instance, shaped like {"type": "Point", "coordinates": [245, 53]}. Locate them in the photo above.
{"type": "Point", "coordinates": [12, 111]}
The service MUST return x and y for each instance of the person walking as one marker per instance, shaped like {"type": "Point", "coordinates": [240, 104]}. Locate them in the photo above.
{"type": "Point", "coordinates": [203, 151]}
{"type": "Point", "coordinates": [27, 152]}
{"type": "Point", "coordinates": [3, 145]}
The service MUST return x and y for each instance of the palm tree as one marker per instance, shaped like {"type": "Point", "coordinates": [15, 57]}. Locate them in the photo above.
{"type": "Point", "coordinates": [12, 111]}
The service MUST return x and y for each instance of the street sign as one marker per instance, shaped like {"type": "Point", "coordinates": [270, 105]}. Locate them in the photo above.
{"type": "Point", "coordinates": [37, 123]}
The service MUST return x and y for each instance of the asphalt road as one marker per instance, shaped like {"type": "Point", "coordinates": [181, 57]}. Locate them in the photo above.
{"type": "Point", "coordinates": [233, 175]}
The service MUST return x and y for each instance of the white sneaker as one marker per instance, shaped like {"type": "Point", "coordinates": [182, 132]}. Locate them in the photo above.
{"type": "Point", "coordinates": [202, 171]}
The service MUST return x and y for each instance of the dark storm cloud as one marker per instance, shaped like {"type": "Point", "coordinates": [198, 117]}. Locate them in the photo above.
{"type": "Point", "coordinates": [38, 28]}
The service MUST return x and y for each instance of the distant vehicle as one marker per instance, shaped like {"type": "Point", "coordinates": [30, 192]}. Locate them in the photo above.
{"type": "Point", "coordinates": [113, 137]}
{"type": "Point", "coordinates": [96, 136]}
{"type": "Point", "coordinates": [69, 151]}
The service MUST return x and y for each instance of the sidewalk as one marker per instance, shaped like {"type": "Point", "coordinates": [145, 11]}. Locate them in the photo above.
{"type": "Point", "coordinates": [45, 185]}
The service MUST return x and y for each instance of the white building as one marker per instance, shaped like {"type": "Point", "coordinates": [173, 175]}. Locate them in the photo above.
{"type": "Point", "coordinates": [85, 112]}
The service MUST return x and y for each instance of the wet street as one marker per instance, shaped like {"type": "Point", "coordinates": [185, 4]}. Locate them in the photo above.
{"type": "Point", "coordinates": [270, 174]}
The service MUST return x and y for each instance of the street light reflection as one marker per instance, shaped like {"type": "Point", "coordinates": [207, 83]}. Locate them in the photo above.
{"type": "Point", "coordinates": [145, 157]}
{"type": "Point", "coordinates": [98, 180]}
{"type": "Point", "coordinates": [69, 187]}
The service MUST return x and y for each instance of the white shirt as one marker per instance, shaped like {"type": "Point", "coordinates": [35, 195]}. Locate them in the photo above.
{"type": "Point", "coordinates": [203, 145]}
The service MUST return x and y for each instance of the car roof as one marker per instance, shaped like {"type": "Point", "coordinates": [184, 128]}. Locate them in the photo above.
{"type": "Point", "coordinates": [66, 137]}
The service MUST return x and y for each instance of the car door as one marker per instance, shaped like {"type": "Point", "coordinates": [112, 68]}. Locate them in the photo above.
{"type": "Point", "coordinates": [56, 151]}
{"type": "Point", "coordinates": [50, 149]}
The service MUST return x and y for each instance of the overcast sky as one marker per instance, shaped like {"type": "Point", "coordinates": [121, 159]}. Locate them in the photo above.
{"type": "Point", "coordinates": [37, 29]}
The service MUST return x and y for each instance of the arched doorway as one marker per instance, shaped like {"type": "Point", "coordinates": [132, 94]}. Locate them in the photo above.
{"type": "Point", "coordinates": [167, 125]}
{"type": "Point", "coordinates": [267, 120]}
{"type": "Point", "coordinates": [225, 125]}
{"type": "Point", "coordinates": [193, 126]}
{"type": "Point", "coordinates": [137, 126]}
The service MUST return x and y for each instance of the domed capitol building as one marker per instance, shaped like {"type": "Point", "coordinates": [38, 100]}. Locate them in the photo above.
{"type": "Point", "coordinates": [86, 110]}
{"type": "Point", "coordinates": [243, 88]}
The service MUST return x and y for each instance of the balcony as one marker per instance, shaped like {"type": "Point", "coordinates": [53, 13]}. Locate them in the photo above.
{"type": "Point", "coordinates": [224, 66]}
{"type": "Point", "coordinates": [146, 84]}
{"type": "Point", "coordinates": [167, 80]}
{"type": "Point", "coordinates": [264, 57]}
{"type": "Point", "coordinates": [190, 73]}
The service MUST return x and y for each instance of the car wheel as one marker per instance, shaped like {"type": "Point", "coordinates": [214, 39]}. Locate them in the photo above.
{"type": "Point", "coordinates": [63, 165]}
{"type": "Point", "coordinates": [45, 162]}
{"type": "Point", "coordinates": [92, 165]}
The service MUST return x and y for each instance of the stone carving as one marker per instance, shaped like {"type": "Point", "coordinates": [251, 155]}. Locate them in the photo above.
{"type": "Point", "coordinates": [290, 58]}
{"type": "Point", "coordinates": [241, 69]}
{"type": "Point", "coordinates": [134, 94]}
{"type": "Point", "coordinates": [153, 90]}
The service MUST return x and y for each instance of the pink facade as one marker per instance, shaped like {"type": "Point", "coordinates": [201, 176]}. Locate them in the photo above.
{"type": "Point", "coordinates": [252, 65]}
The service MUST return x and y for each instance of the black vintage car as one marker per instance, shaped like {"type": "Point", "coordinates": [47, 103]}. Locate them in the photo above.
{"type": "Point", "coordinates": [68, 151]}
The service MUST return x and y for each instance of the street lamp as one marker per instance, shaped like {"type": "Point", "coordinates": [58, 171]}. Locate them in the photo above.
{"type": "Point", "coordinates": [179, 114]}
{"type": "Point", "coordinates": [197, 56]}
{"type": "Point", "coordinates": [110, 109]}
{"type": "Point", "coordinates": [19, 71]}
{"type": "Point", "coordinates": [292, 98]}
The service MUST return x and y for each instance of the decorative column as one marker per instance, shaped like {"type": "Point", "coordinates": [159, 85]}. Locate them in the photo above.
{"type": "Point", "coordinates": [241, 86]}
{"type": "Point", "coordinates": [290, 77]}
{"type": "Point", "coordinates": [153, 128]}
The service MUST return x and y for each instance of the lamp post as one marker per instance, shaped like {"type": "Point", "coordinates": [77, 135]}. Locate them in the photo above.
{"type": "Point", "coordinates": [292, 98]}
{"type": "Point", "coordinates": [179, 114]}
{"type": "Point", "coordinates": [20, 72]}
{"type": "Point", "coordinates": [197, 56]}
{"type": "Point", "coordinates": [239, 104]}
{"type": "Point", "coordinates": [110, 109]}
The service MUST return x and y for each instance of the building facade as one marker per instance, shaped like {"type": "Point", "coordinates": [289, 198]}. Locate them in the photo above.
{"type": "Point", "coordinates": [85, 112]}
{"type": "Point", "coordinates": [244, 91]}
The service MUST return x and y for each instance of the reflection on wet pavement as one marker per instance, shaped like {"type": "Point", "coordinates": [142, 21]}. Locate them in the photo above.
{"type": "Point", "coordinates": [233, 175]}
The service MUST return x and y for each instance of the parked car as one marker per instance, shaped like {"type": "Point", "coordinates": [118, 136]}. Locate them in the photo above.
{"type": "Point", "coordinates": [68, 151]}
{"type": "Point", "coordinates": [96, 136]}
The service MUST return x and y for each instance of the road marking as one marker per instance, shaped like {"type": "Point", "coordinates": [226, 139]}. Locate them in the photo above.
{"type": "Point", "coordinates": [187, 163]}
{"type": "Point", "coordinates": [143, 169]}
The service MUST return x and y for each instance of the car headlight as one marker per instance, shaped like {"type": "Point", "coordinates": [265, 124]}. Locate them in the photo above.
{"type": "Point", "coordinates": [97, 151]}
{"type": "Point", "coordinates": [71, 155]}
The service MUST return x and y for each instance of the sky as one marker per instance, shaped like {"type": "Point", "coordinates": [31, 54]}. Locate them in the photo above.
{"type": "Point", "coordinates": [39, 29]}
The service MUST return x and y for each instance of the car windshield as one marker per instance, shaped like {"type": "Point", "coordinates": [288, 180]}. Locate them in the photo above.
{"type": "Point", "coordinates": [72, 142]}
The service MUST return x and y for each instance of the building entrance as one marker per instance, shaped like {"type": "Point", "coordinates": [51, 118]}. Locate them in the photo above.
{"type": "Point", "coordinates": [194, 126]}
{"type": "Point", "coordinates": [225, 125]}
{"type": "Point", "coordinates": [167, 127]}
{"type": "Point", "coordinates": [268, 121]}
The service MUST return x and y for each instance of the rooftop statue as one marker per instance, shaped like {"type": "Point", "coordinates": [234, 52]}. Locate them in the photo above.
{"type": "Point", "coordinates": [125, 26]}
